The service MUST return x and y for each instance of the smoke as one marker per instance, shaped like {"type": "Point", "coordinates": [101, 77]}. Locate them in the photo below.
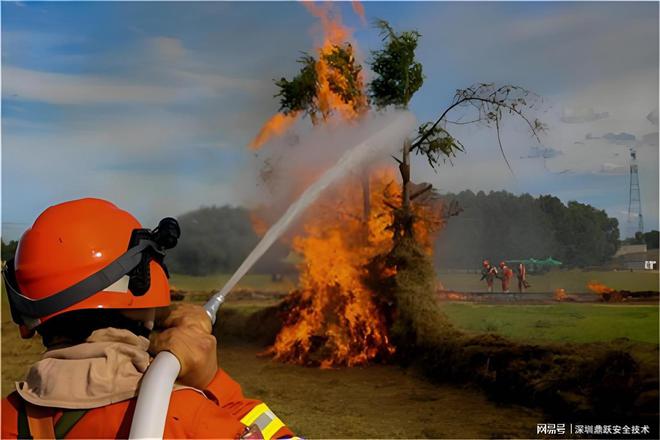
{"type": "Point", "coordinates": [286, 165]}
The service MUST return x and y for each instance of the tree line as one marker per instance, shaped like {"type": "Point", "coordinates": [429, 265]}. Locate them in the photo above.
{"type": "Point", "coordinates": [496, 225]}
{"type": "Point", "coordinates": [500, 226]}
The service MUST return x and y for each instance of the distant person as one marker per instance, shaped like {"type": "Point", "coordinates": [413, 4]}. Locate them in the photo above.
{"type": "Point", "coordinates": [505, 275]}
{"type": "Point", "coordinates": [92, 282]}
{"type": "Point", "coordinates": [488, 273]}
{"type": "Point", "coordinates": [521, 274]}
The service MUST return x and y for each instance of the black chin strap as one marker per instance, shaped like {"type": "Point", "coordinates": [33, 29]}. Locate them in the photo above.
{"type": "Point", "coordinates": [82, 290]}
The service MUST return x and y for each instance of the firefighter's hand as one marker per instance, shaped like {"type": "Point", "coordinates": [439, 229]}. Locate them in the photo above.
{"type": "Point", "coordinates": [185, 331]}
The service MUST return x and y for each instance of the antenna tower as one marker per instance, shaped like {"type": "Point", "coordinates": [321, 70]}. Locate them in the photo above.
{"type": "Point", "coordinates": [634, 199]}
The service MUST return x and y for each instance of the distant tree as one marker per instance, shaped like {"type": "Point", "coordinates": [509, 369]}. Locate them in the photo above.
{"type": "Point", "coordinates": [501, 226]}
{"type": "Point", "coordinates": [651, 239]}
{"type": "Point", "coordinates": [8, 249]}
{"type": "Point", "coordinates": [587, 236]}
{"type": "Point", "coordinates": [216, 240]}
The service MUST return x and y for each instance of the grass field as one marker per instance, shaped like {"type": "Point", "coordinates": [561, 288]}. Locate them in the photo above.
{"type": "Point", "coordinates": [389, 401]}
{"type": "Point", "coordinates": [215, 282]}
{"type": "Point", "coordinates": [372, 402]}
{"type": "Point", "coordinates": [571, 280]}
{"type": "Point", "coordinates": [558, 323]}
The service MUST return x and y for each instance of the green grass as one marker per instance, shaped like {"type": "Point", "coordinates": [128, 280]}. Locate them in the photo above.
{"type": "Point", "coordinates": [215, 282]}
{"type": "Point", "coordinates": [571, 280]}
{"type": "Point", "coordinates": [558, 323]}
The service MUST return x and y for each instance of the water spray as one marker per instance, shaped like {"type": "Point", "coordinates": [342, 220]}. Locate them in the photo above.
{"type": "Point", "coordinates": [156, 386]}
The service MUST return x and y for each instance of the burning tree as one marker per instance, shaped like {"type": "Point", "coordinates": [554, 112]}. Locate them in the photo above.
{"type": "Point", "coordinates": [365, 276]}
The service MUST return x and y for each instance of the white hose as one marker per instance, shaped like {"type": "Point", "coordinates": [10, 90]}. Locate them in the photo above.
{"type": "Point", "coordinates": [154, 395]}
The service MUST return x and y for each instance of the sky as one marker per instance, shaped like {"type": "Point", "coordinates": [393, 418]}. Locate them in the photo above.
{"type": "Point", "coordinates": [151, 105]}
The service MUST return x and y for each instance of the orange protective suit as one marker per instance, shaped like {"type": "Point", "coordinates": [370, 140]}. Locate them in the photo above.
{"type": "Point", "coordinates": [223, 413]}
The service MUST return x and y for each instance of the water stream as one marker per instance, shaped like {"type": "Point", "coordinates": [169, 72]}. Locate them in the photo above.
{"type": "Point", "coordinates": [391, 134]}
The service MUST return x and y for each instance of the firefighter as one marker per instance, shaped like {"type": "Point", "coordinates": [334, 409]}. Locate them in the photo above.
{"type": "Point", "coordinates": [521, 274]}
{"type": "Point", "coordinates": [505, 275]}
{"type": "Point", "coordinates": [92, 282]}
{"type": "Point", "coordinates": [489, 273]}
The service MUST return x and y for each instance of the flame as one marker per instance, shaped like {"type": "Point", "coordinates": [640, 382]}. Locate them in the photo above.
{"type": "Point", "coordinates": [278, 124]}
{"type": "Point", "coordinates": [560, 294]}
{"type": "Point", "coordinates": [358, 8]}
{"type": "Point", "coordinates": [599, 288]}
{"type": "Point", "coordinates": [334, 31]}
{"type": "Point", "coordinates": [328, 100]}
{"type": "Point", "coordinates": [259, 224]}
{"type": "Point", "coordinates": [335, 318]}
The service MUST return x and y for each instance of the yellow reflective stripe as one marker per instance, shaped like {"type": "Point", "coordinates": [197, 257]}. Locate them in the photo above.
{"type": "Point", "coordinates": [269, 431]}
{"type": "Point", "coordinates": [254, 414]}
{"type": "Point", "coordinates": [267, 421]}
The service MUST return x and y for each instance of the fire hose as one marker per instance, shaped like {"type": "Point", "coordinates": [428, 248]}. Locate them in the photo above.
{"type": "Point", "coordinates": [152, 403]}
{"type": "Point", "coordinates": [154, 396]}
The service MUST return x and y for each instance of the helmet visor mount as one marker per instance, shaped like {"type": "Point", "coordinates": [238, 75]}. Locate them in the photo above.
{"type": "Point", "coordinates": [144, 246]}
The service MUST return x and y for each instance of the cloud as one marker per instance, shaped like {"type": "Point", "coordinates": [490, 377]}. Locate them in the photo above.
{"type": "Point", "coordinates": [581, 115]}
{"type": "Point", "coordinates": [653, 117]}
{"type": "Point", "coordinates": [650, 139]}
{"type": "Point", "coordinates": [620, 138]}
{"type": "Point", "coordinates": [537, 152]}
{"type": "Point", "coordinates": [612, 168]}
{"type": "Point", "coordinates": [60, 88]}
{"type": "Point", "coordinates": [168, 47]}
{"type": "Point", "coordinates": [67, 89]}
{"type": "Point", "coordinates": [614, 138]}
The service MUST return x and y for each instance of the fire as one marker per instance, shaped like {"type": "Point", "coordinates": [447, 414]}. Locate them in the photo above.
{"type": "Point", "coordinates": [277, 125]}
{"type": "Point", "coordinates": [332, 83]}
{"type": "Point", "coordinates": [334, 320]}
{"type": "Point", "coordinates": [599, 288]}
{"type": "Point", "coordinates": [336, 317]}
{"type": "Point", "coordinates": [358, 8]}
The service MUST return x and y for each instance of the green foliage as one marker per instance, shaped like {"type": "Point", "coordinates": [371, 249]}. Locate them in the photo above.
{"type": "Point", "coordinates": [398, 74]}
{"type": "Point", "coordinates": [345, 79]}
{"type": "Point", "coordinates": [652, 239]}
{"type": "Point", "coordinates": [8, 249]}
{"type": "Point", "coordinates": [501, 226]}
{"type": "Point", "coordinates": [486, 104]}
{"type": "Point", "coordinates": [299, 94]}
{"type": "Point", "coordinates": [586, 235]}
{"type": "Point", "coordinates": [217, 240]}
{"type": "Point", "coordinates": [437, 144]}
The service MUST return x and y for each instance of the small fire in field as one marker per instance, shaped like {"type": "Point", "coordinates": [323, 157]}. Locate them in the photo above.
{"type": "Point", "coordinates": [599, 288]}
{"type": "Point", "coordinates": [607, 293]}
{"type": "Point", "coordinates": [560, 294]}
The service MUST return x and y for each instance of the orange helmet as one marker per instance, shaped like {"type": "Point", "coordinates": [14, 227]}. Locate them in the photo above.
{"type": "Point", "coordinates": [87, 254]}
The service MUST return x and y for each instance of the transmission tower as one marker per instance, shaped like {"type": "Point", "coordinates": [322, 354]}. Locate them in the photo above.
{"type": "Point", "coordinates": [634, 200]}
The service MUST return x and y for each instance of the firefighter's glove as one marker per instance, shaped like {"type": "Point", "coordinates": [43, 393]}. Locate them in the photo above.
{"type": "Point", "coordinates": [185, 331]}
